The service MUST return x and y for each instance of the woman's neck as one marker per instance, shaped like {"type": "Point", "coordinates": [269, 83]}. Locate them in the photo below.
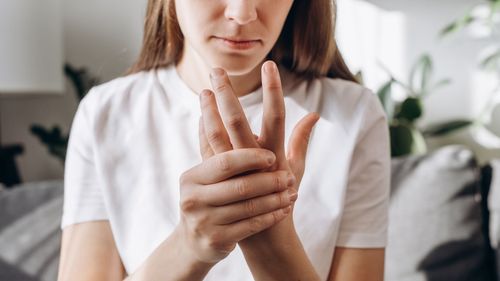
{"type": "Point", "coordinates": [196, 74]}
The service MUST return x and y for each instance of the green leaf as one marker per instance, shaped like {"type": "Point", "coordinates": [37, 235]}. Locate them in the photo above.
{"type": "Point", "coordinates": [441, 83]}
{"type": "Point", "coordinates": [385, 96]}
{"type": "Point", "coordinates": [458, 25]}
{"type": "Point", "coordinates": [495, 6]}
{"type": "Point", "coordinates": [427, 71]}
{"type": "Point", "coordinates": [421, 74]}
{"type": "Point", "coordinates": [445, 128]}
{"type": "Point", "coordinates": [491, 62]}
{"type": "Point", "coordinates": [410, 110]}
{"type": "Point", "coordinates": [450, 28]}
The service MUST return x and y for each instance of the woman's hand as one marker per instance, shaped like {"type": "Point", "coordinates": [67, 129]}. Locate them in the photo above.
{"type": "Point", "coordinates": [225, 126]}
{"type": "Point", "coordinates": [220, 208]}
{"type": "Point", "coordinates": [276, 253]}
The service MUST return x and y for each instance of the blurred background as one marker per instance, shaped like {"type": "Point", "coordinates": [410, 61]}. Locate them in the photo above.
{"type": "Point", "coordinates": [435, 66]}
{"type": "Point", "coordinates": [103, 37]}
{"type": "Point", "coordinates": [380, 38]}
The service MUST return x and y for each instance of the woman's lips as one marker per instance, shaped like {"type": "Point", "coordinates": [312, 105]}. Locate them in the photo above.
{"type": "Point", "coordinates": [238, 44]}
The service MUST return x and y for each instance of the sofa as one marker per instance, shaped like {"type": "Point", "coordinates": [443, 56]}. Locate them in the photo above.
{"type": "Point", "coordinates": [443, 222]}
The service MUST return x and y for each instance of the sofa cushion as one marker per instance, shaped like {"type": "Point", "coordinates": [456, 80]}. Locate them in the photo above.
{"type": "Point", "coordinates": [30, 235]}
{"type": "Point", "coordinates": [436, 220]}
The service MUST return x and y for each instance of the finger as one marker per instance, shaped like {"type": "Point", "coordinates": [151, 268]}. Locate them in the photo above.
{"type": "Point", "coordinates": [205, 149]}
{"type": "Point", "coordinates": [273, 121]}
{"type": "Point", "coordinates": [253, 207]}
{"type": "Point", "coordinates": [248, 227]}
{"type": "Point", "coordinates": [232, 113]}
{"type": "Point", "coordinates": [215, 132]}
{"type": "Point", "coordinates": [246, 187]}
{"type": "Point", "coordinates": [299, 141]}
{"type": "Point", "coordinates": [257, 139]}
{"type": "Point", "coordinates": [228, 164]}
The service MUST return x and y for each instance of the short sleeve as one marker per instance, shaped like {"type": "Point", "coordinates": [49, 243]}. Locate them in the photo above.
{"type": "Point", "coordinates": [83, 198]}
{"type": "Point", "coordinates": [364, 220]}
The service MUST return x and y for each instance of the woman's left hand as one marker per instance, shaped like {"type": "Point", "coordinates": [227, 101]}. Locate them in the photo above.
{"type": "Point", "coordinates": [223, 127]}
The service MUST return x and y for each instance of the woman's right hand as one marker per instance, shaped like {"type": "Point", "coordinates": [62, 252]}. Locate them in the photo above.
{"type": "Point", "coordinates": [222, 203]}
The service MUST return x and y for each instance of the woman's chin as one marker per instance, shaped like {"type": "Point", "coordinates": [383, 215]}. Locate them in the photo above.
{"type": "Point", "coordinates": [238, 66]}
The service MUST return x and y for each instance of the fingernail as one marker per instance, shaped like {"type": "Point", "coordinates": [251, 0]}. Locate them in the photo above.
{"type": "Point", "coordinates": [271, 158]}
{"type": "Point", "coordinates": [270, 67]}
{"type": "Point", "coordinates": [292, 193]}
{"type": "Point", "coordinates": [217, 73]}
{"type": "Point", "coordinates": [291, 179]}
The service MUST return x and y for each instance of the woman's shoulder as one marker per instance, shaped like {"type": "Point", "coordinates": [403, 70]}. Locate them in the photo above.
{"type": "Point", "coordinates": [336, 88]}
{"type": "Point", "coordinates": [343, 91]}
{"type": "Point", "coordinates": [334, 97]}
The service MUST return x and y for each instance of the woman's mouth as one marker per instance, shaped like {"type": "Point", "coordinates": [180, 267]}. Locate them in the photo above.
{"type": "Point", "coordinates": [238, 43]}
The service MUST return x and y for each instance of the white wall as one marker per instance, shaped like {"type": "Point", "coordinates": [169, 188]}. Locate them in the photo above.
{"type": "Point", "coordinates": [104, 36]}
{"type": "Point", "coordinates": [397, 32]}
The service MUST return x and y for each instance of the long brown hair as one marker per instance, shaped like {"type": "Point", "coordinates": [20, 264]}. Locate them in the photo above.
{"type": "Point", "coordinates": [306, 45]}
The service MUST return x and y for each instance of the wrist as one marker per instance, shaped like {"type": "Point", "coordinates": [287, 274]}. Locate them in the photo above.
{"type": "Point", "coordinates": [171, 260]}
{"type": "Point", "coordinates": [278, 242]}
{"type": "Point", "coordinates": [278, 259]}
{"type": "Point", "coordinates": [193, 265]}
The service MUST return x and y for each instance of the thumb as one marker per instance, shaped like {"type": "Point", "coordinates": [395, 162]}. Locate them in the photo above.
{"type": "Point", "coordinates": [299, 141]}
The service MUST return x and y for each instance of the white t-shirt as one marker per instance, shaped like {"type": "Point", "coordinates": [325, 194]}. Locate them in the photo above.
{"type": "Point", "coordinates": [134, 136]}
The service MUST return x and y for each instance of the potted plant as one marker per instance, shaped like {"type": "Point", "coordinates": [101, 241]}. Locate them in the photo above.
{"type": "Point", "coordinates": [53, 138]}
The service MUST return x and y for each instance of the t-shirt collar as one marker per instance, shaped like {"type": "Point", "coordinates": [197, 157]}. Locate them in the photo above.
{"type": "Point", "coordinates": [173, 84]}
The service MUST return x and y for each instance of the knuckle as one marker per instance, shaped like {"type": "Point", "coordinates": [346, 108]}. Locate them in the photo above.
{"type": "Point", "coordinates": [279, 199]}
{"type": "Point", "coordinates": [278, 116]}
{"type": "Point", "coordinates": [284, 180]}
{"type": "Point", "coordinates": [256, 225]}
{"type": "Point", "coordinates": [278, 183]}
{"type": "Point", "coordinates": [214, 136]}
{"type": "Point", "coordinates": [242, 187]}
{"type": "Point", "coordinates": [283, 199]}
{"type": "Point", "coordinates": [250, 207]}
{"type": "Point", "coordinates": [188, 204]}
{"type": "Point", "coordinates": [274, 85]}
{"type": "Point", "coordinates": [275, 217]}
{"type": "Point", "coordinates": [223, 164]}
{"type": "Point", "coordinates": [235, 122]}
{"type": "Point", "coordinates": [222, 86]}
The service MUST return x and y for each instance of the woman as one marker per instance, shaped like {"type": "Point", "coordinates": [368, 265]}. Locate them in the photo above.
{"type": "Point", "coordinates": [150, 197]}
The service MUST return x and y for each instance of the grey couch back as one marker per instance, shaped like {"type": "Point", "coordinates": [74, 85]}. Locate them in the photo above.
{"type": "Point", "coordinates": [494, 211]}
{"type": "Point", "coordinates": [30, 234]}
{"type": "Point", "coordinates": [438, 227]}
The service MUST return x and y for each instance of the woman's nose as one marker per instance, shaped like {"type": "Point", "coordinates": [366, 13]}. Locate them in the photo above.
{"type": "Point", "coordinates": [241, 11]}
